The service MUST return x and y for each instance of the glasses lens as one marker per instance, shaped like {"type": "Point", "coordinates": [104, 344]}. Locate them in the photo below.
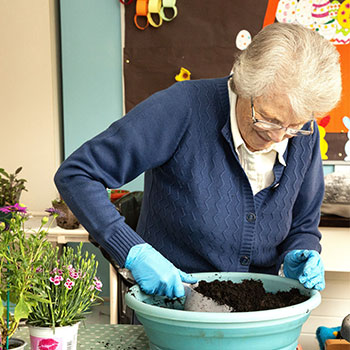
{"type": "Point", "coordinates": [298, 132]}
{"type": "Point", "coordinates": [307, 129]}
{"type": "Point", "coordinates": [266, 125]}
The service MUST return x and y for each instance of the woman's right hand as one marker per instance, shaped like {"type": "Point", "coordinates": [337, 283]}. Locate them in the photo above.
{"type": "Point", "coordinates": [154, 273]}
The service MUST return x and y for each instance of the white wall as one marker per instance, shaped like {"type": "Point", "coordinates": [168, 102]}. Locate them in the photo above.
{"type": "Point", "coordinates": [29, 112]}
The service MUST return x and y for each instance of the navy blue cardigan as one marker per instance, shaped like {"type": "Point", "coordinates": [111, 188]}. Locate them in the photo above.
{"type": "Point", "coordinates": [198, 208]}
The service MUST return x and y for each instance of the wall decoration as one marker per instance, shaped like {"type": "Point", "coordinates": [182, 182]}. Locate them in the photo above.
{"type": "Point", "coordinates": [206, 37]}
{"type": "Point", "coordinates": [346, 121]}
{"type": "Point", "coordinates": [332, 21]}
{"type": "Point", "coordinates": [201, 38]}
{"type": "Point", "coordinates": [166, 6]}
{"type": "Point", "coordinates": [184, 74]}
{"type": "Point", "coordinates": [243, 39]}
{"type": "Point", "coordinates": [154, 12]}
{"type": "Point", "coordinates": [154, 7]}
{"type": "Point", "coordinates": [141, 14]}
{"type": "Point", "coordinates": [323, 143]}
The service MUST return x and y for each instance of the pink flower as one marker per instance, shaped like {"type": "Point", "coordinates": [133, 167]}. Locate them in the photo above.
{"type": "Point", "coordinates": [56, 280]}
{"type": "Point", "coordinates": [98, 284]}
{"type": "Point", "coordinates": [56, 270]}
{"type": "Point", "coordinates": [73, 274]}
{"type": "Point", "coordinates": [69, 284]}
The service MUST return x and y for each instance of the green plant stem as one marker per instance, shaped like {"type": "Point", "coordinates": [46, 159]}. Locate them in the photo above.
{"type": "Point", "coordinates": [7, 312]}
{"type": "Point", "coordinates": [7, 318]}
{"type": "Point", "coordinates": [52, 312]}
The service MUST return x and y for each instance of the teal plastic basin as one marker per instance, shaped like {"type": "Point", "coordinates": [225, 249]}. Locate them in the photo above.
{"type": "Point", "coordinates": [169, 327]}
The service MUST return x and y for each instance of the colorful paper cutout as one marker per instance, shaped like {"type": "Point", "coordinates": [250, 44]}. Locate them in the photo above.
{"type": "Point", "coordinates": [184, 74]}
{"type": "Point", "coordinates": [243, 39]}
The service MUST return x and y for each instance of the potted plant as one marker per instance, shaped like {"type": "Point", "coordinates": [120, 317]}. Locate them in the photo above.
{"type": "Point", "coordinates": [115, 194]}
{"type": "Point", "coordinates": [10, 189]}
{"type": "Point", "coordinates": [69, 281]}
{"type": "Point", "coordinates": [21, 254]}
{"type": "Point", "coordinates": [67, 219]}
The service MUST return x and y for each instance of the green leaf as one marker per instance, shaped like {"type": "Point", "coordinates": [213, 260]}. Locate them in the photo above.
{"type": "Point", "coordinates": [18, 170]}
{"type": "Point", "coordinates": [22, 310]}
{"type": "Point", "coordinates": [37, 298]}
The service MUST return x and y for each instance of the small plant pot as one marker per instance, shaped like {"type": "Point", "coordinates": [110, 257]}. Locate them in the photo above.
{"type": "Point", "coordinates": [16, 344]}
{"type": "Point", "coordinates": [45, 338]}
{"type": "Point", "coordinates": [68, 221]}
{"type": "Point", "coordinates": [116, 194]}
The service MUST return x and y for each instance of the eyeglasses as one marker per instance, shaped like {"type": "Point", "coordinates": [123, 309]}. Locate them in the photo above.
{"type": "Point", "coordinates": [268, 126]}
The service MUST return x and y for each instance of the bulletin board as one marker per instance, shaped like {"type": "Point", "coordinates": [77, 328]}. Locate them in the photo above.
{"type": "Point", "coordinates": [205, 36]}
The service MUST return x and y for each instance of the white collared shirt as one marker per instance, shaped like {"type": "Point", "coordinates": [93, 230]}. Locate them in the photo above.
{"type": "Point", "coordinates": [258, 165]}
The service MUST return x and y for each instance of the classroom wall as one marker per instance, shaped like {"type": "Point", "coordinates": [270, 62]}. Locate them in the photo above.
{"type": "Point", "coordinates": [29, 96]}
{"type": "Point", "coordinates": [30, 128]}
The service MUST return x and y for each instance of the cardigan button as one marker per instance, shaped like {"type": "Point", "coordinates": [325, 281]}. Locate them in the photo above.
{"type": "Point", "coordinates": [244, 260]}
{"type": "Point", "coordinates": [251, 217]}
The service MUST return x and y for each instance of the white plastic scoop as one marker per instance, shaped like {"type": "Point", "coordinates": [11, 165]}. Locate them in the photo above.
{"type": "Point", "coordinates": [198, 302]}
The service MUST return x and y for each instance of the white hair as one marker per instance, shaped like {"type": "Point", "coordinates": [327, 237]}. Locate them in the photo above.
{"type": "Point", "coordinates": [292, 60]}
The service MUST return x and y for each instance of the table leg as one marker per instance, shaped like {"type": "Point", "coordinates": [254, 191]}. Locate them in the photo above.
{"type": "Point", "coordinates": [113, 283]}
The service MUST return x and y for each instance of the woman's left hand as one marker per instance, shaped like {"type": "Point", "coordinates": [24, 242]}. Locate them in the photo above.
{"type": "Point", "coordinates": [305, 266]}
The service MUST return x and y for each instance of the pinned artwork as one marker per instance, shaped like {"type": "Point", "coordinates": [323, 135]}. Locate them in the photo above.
{"type": "Point", "coordinates": [286, 11]}
{"type": "Point", "coordinates": [243, 39]}
{"type": "Point", "coordinates": [184, 74]}
{"type": "Point", "coordinates": [341, 36]}
{"type": "Point", "coordinates": [320, 11]}
{"type": "Point", "coordinates": [322, 129]}
{"type": "Point", "coordinates": [327, 30]}
{"type": "Point", "coordinates": [153, 12]}
{"type": "Point", "coordinates": [346, 121]}
{"type": "Point", "coordinates": [343, 16]}
{"type": "Point", "coordinates": [333, 9]}
{"type": "Point", "coordinates": [331, 19]}
{"type": "Point", "coordinates": [303, 12]}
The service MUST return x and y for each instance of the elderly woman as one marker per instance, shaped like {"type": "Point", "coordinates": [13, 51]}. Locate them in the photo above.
{"type": "Point", "coordinates": [233, 173]}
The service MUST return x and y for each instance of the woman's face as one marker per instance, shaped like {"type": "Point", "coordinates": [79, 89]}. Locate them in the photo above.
{"type": "Point", "coordinates": [274, 109]}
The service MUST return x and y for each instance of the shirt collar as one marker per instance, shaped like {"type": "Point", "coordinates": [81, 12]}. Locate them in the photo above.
{"type": "Point", "coordinates": [238, 141]}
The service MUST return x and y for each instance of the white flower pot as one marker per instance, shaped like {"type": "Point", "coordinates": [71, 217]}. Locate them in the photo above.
{"type": "Point", "coordinates": [45, 338]}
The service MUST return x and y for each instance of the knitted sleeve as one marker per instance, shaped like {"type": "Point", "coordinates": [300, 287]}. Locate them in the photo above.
{"type": "Point", "coordinates": [143, 139]}
{"type": "Point", "coordinates": [304, 232]}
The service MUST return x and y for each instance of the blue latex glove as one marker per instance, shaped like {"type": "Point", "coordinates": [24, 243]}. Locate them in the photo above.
{"type": "Point", "coordinates": [305, 266]}
{"type": "Point", "coordinates": [154, 273]}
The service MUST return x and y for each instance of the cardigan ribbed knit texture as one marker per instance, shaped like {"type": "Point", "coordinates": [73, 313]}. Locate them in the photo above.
{"type": "Point", "coordinates": [198, 208]}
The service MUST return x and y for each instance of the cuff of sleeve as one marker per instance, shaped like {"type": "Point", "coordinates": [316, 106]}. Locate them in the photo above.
{"type": "Point", "coordinates": [119, 244]}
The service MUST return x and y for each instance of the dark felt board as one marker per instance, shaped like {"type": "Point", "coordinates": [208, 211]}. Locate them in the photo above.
{"type": "Point", "coordinates": [202, 39]}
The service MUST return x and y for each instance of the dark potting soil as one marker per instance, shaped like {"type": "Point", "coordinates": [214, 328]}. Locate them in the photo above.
{"type": "Point", "coordinates": [249, 295]}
